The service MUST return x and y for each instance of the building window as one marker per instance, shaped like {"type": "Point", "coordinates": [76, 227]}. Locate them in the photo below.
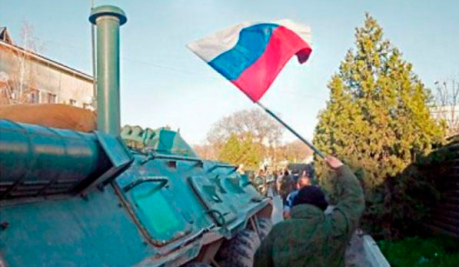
{"type": "Point", "coordinates": [34, 96]}
{"type": "Point", "coordinates": [52, 98]}
{"type": "Point", "coordinates": [73, 102]}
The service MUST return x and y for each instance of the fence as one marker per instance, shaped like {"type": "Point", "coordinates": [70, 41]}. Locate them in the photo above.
{"type": "Point", "coordinates": [445, 216]}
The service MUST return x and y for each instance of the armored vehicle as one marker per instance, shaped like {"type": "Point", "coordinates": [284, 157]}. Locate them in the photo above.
{"type": "Point", "coordinates": [112, 197]}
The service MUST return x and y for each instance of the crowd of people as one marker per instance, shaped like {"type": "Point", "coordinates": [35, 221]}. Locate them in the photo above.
{"type": "Point", "coordinates": [282, 181]}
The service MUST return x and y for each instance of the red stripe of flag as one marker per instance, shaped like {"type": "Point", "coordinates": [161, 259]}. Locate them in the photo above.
{"type": "Point", "coordinates": [283, 44]}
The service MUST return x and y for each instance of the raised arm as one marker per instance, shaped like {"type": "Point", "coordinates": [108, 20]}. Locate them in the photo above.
{"type": "Point", "coordinates": [350, 197]}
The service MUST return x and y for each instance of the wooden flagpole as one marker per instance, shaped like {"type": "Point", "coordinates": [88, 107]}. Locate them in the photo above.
{"type": "Point", "coordinates": [317, 151]}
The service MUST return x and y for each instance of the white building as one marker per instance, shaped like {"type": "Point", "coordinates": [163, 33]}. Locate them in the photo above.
{"type": "Point", "coordinates": [450, 114]}
{"type": "Point", "coordinates": [27, 77]}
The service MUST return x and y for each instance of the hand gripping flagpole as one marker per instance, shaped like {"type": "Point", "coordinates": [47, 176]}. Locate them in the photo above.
{"type": "Point", "coordinates": [317, 151]}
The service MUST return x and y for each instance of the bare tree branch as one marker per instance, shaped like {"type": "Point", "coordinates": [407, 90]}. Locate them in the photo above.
{"type": "Point", "coordinates": [20, 85]}
{"type": "Point", "coordinates": [447, 104]}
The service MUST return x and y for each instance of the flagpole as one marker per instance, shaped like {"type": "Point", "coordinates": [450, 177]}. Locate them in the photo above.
{"type": "Point", "coordinates": [317, 151]}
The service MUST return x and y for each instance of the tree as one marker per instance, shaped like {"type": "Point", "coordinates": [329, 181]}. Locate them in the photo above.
{"type": "Point", "coordinates": [446, 105]}
{"type": "Point", "coordinates": [231, 150]}
{"type": "Point", "coordinates": [263, 129]}
{"type": "Point", "coordinates": [241, 151]}
{"type": "Point", "coordinates": [17, 86]}
{"type": "Point", "coordinates": [377, 118]}
{"type": "Point", "coordinates": [206, 151]}
{"type": "Point", "coordinates": [250, 151]}
{"type": "Point", "coordinates": [263, 132]}
{"type": "Point", "coordinates": [250, 137]}
{"type": "Point", "coordinates": [295, 151]}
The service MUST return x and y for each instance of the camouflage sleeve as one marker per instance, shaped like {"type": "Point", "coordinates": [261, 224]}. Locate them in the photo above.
{"type": "Point", "coordinates": [263, 256]}
{"type": "Point", "coordinates": [350, 204]}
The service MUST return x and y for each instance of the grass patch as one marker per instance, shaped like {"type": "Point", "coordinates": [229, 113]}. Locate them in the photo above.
{"type": "Point", "coordinates": [438, 251]}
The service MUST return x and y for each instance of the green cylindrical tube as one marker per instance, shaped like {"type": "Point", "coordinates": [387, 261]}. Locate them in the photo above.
{"type": "Point", "coordinates": [108, 19]}
{"type": "Point", "coordinates": [37, 160]}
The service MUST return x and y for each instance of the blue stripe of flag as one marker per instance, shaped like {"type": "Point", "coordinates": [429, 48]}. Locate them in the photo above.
{"type": "Point", "coordinates": [250, 46]}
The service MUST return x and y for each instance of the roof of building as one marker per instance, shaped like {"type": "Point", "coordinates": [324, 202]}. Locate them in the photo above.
{"type": "Point", "coordinates": [5, 36]}
{"type": "Point", "coordinates": [5, 40]}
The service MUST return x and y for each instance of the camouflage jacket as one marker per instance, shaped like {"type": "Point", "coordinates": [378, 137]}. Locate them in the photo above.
{"type": "Point", "coordinates": [311, 238]}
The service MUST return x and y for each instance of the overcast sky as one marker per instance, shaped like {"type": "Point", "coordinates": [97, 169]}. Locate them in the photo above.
{"type": "Point", "coordinates": [163, 83]}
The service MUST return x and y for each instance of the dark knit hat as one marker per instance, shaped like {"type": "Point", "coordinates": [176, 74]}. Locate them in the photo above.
{"type": "Point", "coordinates": [311, 195]}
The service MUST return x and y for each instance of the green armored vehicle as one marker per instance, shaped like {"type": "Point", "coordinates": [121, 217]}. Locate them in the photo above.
{"type": "Point", "coordinates": [141, 198]}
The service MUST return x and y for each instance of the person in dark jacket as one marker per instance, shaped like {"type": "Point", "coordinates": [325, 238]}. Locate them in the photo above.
{"type": "Point", "coordinates": [311, 238]}
{"type": "Point", "coordinates": [286, 185]}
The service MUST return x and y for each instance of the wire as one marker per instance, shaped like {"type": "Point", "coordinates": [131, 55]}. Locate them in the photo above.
{"type": "Point", "coordinates": [164, 67]}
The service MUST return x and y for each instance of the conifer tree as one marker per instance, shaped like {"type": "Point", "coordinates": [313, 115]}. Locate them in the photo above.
{"type": "Point", "coordinates": [377, 118]}
{"type": "Point", "coordinates": [251, 154]}
{"type": "Point", "coordinates": [245, 151]}
{"type": "Point", "coordinates": [231, 150]}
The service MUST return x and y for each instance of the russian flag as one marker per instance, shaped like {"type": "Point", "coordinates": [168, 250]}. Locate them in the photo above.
{"type": "Point", "coordinates": [251, 55]}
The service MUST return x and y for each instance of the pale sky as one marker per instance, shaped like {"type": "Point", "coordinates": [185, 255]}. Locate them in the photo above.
{"type": "Point", "coordinates": [163, 83]}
